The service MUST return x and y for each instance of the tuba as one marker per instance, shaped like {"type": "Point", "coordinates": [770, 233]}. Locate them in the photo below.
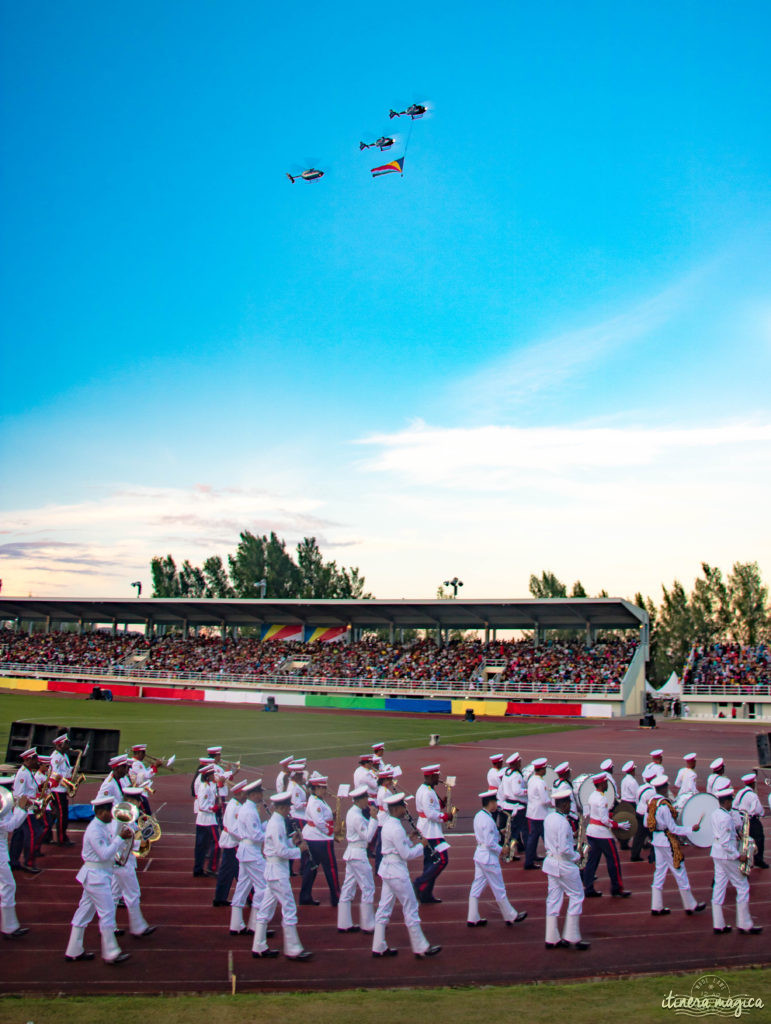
{"type": "Point", "coordinates": [148, 831]}
{"type": "Point", "coordinates": [125, 813]}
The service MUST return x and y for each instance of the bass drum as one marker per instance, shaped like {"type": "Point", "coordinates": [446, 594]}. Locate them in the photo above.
{"type": "Point", "coordinates": [697, 810]}
{"type": "Point", "coordinates": [584, 787]}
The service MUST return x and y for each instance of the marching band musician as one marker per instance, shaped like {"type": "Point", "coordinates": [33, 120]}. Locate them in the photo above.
{"type": "Point", "coordinates": [125, 883]}
{"type": "Point", "coordinates": [112, 785]}
{"type": "Point", "coordinates": [599, 833]}
{"type": "Point", "coordinates": [661, 824]}
{"type": "Point", "coordinates": [717, 768]}
{"type": "Point", "coordinates": [279, 852]}
{"type": "Point", "coordinates": [25, 840]}
{"type": "Point", "coordinates": [495, 771]}
{"type": "Point", "coordinates": [61, 769]}
{"type": "Point", "coordinates": [11, 818]}
{"type": "Point", "coordinates": [360, 828]}
{"type": "Point", "coordinates": [250, 833]}
{"type": "Point", "coordinates": [282, 778]}
{"type": "Point", "coordinates": [228, 840]}
{"type": "Point", "coordinates": [47, 813]}
{"type": "Point", "coordinates": [512, 800]}
{"type": "Point", "coordinates": [202, 763]}
{"type": "Point", "coordinates": [386, 785]}
{"type": "Point", "coordinates": [645, 794]}
{"type": "Point", "coordinates": [686, 782]}
{"type": "Point", "coordinates": [655, 765]}
{"type": "Point", "coordinates": [141, 774]}
{"type": "Point", "coordinates": [727, 858]}
{"type": "Point", "coordinates": [487, 865]}
{"type": "Point", "coordinates": [748, 802]}
{"type": "Point", "coordinates": [319, 833]}
{"type": "Point", "coordinates": [630, 787]}
{"type": "Point", "coordinates": [100, 844]}
{"type": "Point", "coordinates": [393, 871]}
{"type": "Point", "coordinates": [560, 866]}
{"type": "Point", "coordinates": [206, 829]}
{"type": "Point", "coordinates": [538, 806]}
{"type": "Point", "coordinates": [565, 776]}
{"type": "Point", "coordinates": [431, 815]}
{"type": "Point", "coordinates": [222, 779]}
{"type": "Point", "coordinates": [364, 775]}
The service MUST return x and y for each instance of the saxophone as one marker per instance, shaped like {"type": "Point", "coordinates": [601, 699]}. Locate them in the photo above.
{"type": "Point", "coordinates": [78, 778]}
{"type": "Point", "coordinates": [747, 845]}
{"type": "Point", "coordinates": [507, 838]}
{"type": "Point", "coordinates": [582, 843]}
{"type": "Point", "coordinates": [339, 832]}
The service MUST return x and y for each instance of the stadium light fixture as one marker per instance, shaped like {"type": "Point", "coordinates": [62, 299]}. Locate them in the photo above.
{"type": "Point", "coordinates": [454, 583]}
{"type": "Point", "coordinates": [138, 585]}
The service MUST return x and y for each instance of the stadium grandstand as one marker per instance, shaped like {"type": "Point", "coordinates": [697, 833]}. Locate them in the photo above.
{"type": "Point", "coordinates": [728, 680]}
{"type": "Point", "coordinates": [558, 656]}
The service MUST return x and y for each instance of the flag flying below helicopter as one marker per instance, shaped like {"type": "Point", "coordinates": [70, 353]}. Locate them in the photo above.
{"type": "Point", "coordinates": [395, 167]}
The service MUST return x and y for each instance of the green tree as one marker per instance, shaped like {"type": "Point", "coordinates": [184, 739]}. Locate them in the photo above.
{"type": "Point", "coordinates": [674, 634]}
{"type": "Point", "coordinates": [217, 582]}
{"type": "Point", "coordinates": [748, 597]}
{"type": "Point", "coordinates": [282, 574]}
{"type": "Point", "coordinates": [164, 576]}
{"type": "Point", "coordinates": [710, 606]}
{"type": "Point", "coordinates": [247, 565]}
{"type": "Point", "coordinates": [577, 590]}
{"type": "Point", "coordinates": [317, 577]}
{"type": "Point", "coordinates": [547, 585]}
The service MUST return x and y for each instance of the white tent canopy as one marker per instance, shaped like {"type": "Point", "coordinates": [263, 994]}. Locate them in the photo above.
{"type": "Point", "coordinates": [673, 687]}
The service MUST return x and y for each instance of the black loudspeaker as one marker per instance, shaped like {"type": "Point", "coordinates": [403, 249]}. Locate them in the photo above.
{"type": "Point", "coordinates": [470, 716]}
{"type": "Point", "coordinates": [763, 742]}
{"type": "Point", "coordinates": [101, 744]}
{"type": "Point", "coordinates": [270, 704]}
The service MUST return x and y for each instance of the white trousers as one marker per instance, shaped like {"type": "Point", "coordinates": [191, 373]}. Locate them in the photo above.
{"type": "Point", "coordinates": [488, 875]}
{"type": "Point", "coordinates": [97, 898]}
{"type": "Point", "coordinates": [729, 871]}
{"type": "Point", "coordinates": [358, 875]}
{"type": "Point", "coordinates": [251, 876]}
{"type": "Point", "coordinates": [664, 864]}
{"type": "Point", "coordinates": [560, 886]}
{"type": "Point", "coordinates": [7, 885]}
{"type": "Point", "coordinates": [125, 881]}
{"type": "Point", "coordinates": [398, 889]}
{"type": "Point", "coordinates": [275, 892]}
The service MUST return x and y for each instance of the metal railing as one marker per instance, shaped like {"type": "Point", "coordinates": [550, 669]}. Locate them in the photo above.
{"type": "Point", "coordinates": [462, 689]}
{"type": "Point", "coordinates": [728, 690]}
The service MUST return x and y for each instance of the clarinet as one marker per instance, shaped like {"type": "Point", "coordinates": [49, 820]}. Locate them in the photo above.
{"type": "Point", "coordinates": [431, 853]}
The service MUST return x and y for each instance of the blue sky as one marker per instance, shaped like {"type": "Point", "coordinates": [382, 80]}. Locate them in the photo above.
{"type": "Point", "coordinates": [547, 345]}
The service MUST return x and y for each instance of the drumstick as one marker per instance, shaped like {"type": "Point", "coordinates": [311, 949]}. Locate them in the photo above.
{"type": "Point", "coordinates": [697, 826]}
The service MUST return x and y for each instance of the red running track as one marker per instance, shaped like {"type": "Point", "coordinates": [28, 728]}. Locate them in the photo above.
{"type": "Point", "coordinates": [190, 951]}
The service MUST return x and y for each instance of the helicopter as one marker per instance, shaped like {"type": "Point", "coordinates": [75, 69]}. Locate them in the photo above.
{"type": "Point", "coordinates": [384, 142]}
{"type": "Point", "coordinates": [310, 175]}
{"type": "Point", "coordinates": [414, 110]}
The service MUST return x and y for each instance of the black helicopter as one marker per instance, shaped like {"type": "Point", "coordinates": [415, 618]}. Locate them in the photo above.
{"type": "Point", "coordinates": [414, 110]}
{"type": "Point", "coordinates": [384, 142]}
{"type": "Point", "coordinates": [310, 175]}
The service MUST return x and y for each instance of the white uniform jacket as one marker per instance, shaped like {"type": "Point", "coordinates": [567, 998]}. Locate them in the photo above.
{"type": "Point", "coordinates": [251, 832]}
{"type": "Point", "coordinates": [512, 795]}
{"type": "Point", "coordinates": [278, 849]}
{"type": "Point", "coordinates": [561, 856]}
{"type": "Point", "coordinates": [644, 797]}
{"type": "Point", "coordinates": [100, 844]}
{"type": "Point", "coordinates": [430, 813]}
{"type": "Point", "coordinates": [62, 769]}
{"type": "Point", "coordinates": [630, 788]}
{"type": "Point", "coordinates": [207, 801]}
{"type": "Point", "coordinates": [359, 831]}
{"type": "Point", "coordinates": [230, 837]}
{"type": "Point", "coordinates": [486, 833]}
{"type": "Point", "coordinates": [666, 823]}
{"type": "Point", "coordinates": [725, 845]}
{"type": "Point", "coordinates": [383, 793]}
{"type": "Point", "coordinates": [599, 824]}
{"type": "Point", "coordinates": [712, 780]}
{"type": "Point", "coordinates": [111, 787]}
{"type": "Point", "coordinates": [686, 782]}
{"type": "Point", "coordinates": [299, 800]}
{"type": "Point", "coordinates": [397, 850]}
{"type": "Point", "coordinates": [24, 785]}
{"type": "Point", "coordinates": [364, 777]}
{"type": "Point", "coordinates": [494, 778]}
{"type": "Point", "coordinates": [319, 820]}
{"type": "Point", "coordinates": [538, 799]}
{"type": "Point", "coordinates": [747, 800]}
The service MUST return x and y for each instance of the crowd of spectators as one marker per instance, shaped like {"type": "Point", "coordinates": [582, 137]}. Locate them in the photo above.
{"type": "Point", "coordinates": [472, 665]}
{"type": "Point", "coordinates": [734, 667]}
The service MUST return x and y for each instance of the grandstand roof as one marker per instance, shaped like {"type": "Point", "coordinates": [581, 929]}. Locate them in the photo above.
{"type": "Point", "coordinates": [553, 613]}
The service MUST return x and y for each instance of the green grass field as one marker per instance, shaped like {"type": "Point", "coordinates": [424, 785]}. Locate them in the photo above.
{"type": "Point", "coordinates": [616, 1002]}
{"type": "Point", "coordinates": [249, 734]}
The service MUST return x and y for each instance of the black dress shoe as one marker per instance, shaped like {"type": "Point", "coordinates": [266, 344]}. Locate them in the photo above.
{"type": "Point", "coordinates": [29, 869]}
{"type": "Point", "coordinates": [386, 952]}
{"type": "Point", "coordinates": [148, 931]}
{"type": "Point", "coordinates": [755, 930]}
{"type": "Point", "coordinates": [661, 913]}
{"type": "Point", "coordinates": [520, 916]}
{"type": "Point", "coordinates": [305, 955]}
{"type": "Point", "coordinates": [562, 944]}
{"type": "Point", "coordinates": [697, 909]}
{"type": "Point", "coordinates": [760, 864]}
{"type": "Point", "coordinates": [310, 903]}
{"type": "Point", "coordinates": [634, 860]}
{"type": "Point", "coordinates": [209, 873]}
{"type": "Point", "coordinates": [580, 945]}
{"type": "Point", "coordinates": [220, 903]}
{"type": "Point", "coordinates": [354, 928]}
{"type": "Point", "coordinates": [119, 931]}
{"type": "Point", "coordinates": [622, 894]}
{"type": "Point", "coordinates": [481, 923]}
{"type": "Point", "coordinates": [266, 954]}
{"type": "Point", "coordinates": [722, 931]}
{"type": "Point", "coordinates": [198, 874]}
{"type": "Point", "coordinates": [119, 959]}
{"type": "Point", "coordinates": [532, 867]}
{"type": "Point", "coordinates": [240, 931]}
{"type": "Point", "coordinates": [65, 842]}
{"type": "Point", "coordinates": [81, 956]}
{"type": "Point", "coordinates": [592, 894]}
{"type": "Point", "coordinates": [15, 935]}
{"type": "Point", "coordinates": [431, 951]}
{"type": "Point", "coordinates": [431, 899]}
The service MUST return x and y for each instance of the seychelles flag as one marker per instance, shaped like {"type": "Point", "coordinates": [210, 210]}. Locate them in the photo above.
{"type": "Point", "coordinates": [395, 167]}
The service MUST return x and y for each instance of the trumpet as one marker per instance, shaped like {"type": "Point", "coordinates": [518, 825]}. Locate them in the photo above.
{"type": "Point", "coordinates": [162, 762]}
